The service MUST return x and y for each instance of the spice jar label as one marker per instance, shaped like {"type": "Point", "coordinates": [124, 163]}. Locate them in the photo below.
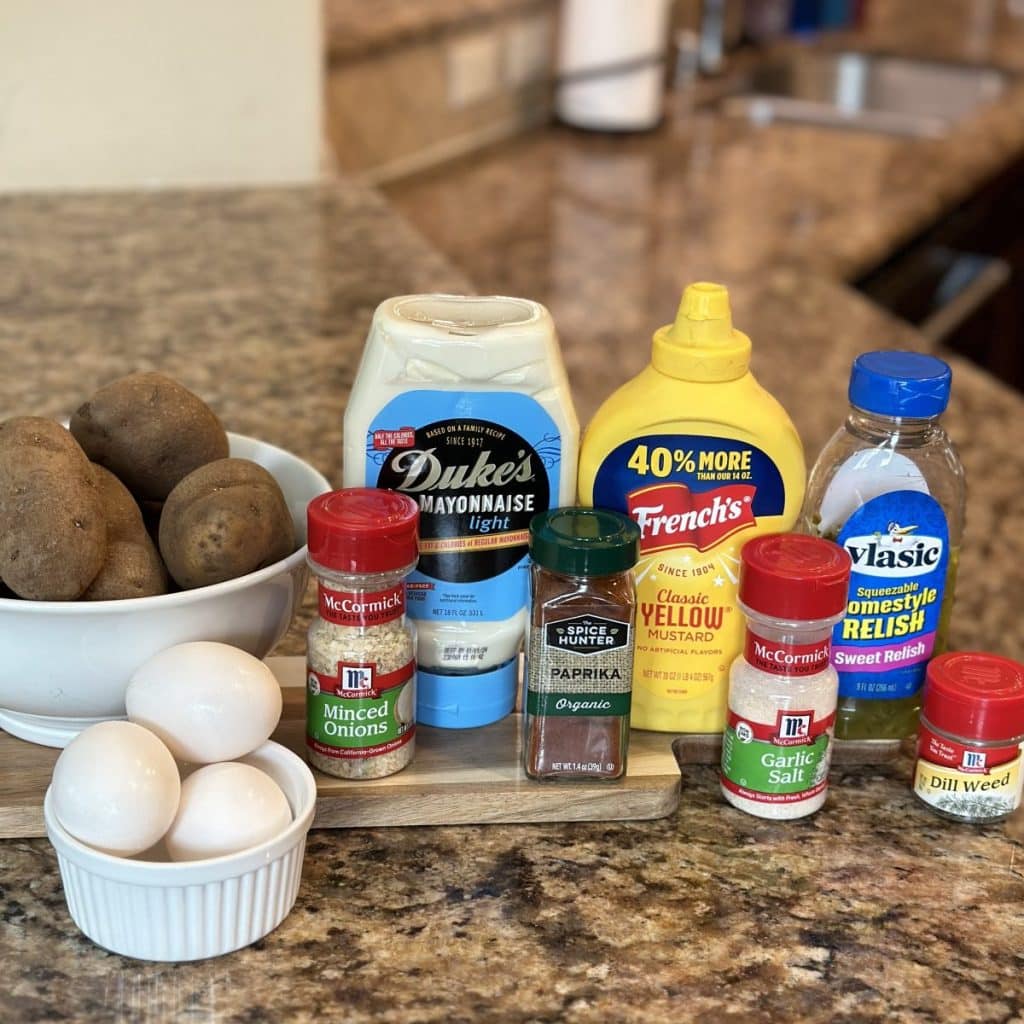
{"type": "Point", "coordinates": [362, 609]}
{"type": "Point", "coordinates": [786, 659]}
{"type": "Point", "coordinates": [589, 705]}
{"type": "Point", "coordinates": [778, 762]}
{"type": "Point", "coordinates": [899, 544]}
{"type": "Point", "coordinates": [586, 634]}
{"type": "Point", "coordinates": [967, 781]}
{"type": "Point", "coordinates": [359, 712]}
{"type": "Point", "coordinates": [580, 666]}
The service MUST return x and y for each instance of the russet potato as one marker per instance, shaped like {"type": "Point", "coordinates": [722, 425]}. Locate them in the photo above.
{"type": "Point", "coordinates": [132, 567]}
{"type": "Point", "coordinates": [150, 431]}
{"type": "Point", "coordinates": [53, 537]}
{"type": "Point", "coordinates": [225, 519]}
{"type": "Point", "coordinates": [159, 500]}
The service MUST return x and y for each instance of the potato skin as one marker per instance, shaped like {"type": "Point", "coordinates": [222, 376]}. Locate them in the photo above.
{"type": "Point", "coordinates": [224, 520]}
{"type": "Point", "coordinates": [122, 514]}
{"type": "Point", "coordinates": [132, 567]}
{"type": "Point", "coordinates": [150, 431]}
{"type": "Point", "coordinates": [39, 433]}
{"type": "Point", "coordinates": [52, 531]}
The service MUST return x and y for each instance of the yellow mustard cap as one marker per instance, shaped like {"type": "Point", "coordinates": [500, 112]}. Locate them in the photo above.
{"type": "Point", "coordinates": [702, 344]}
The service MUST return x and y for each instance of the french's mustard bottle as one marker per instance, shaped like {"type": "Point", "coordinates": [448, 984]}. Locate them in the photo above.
{"type": "Point", "coordinates": [704, 459]}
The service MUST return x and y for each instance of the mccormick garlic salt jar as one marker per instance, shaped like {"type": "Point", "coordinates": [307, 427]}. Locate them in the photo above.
{"type": "Point", "coordinates": [782, 690]}
{"type": "Point", "coordinates": [970, 737]}
{"type": "Point", "coordinates": [361, 653]}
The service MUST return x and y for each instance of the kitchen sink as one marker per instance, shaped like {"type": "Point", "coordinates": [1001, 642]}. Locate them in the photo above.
{"type": "Point", "coordinates": [867, 92]}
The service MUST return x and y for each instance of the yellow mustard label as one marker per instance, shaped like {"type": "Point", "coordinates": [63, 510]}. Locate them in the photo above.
{"type": "Point", "coordinates": [697, 499]}
{"type": "Point", "coordinates": [688, 632]}
{"type": "Point", "coordinates": [993, 793]}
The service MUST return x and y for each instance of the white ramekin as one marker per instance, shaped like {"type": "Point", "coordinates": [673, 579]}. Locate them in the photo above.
{"type": "Point", "coordinates": [196, 909]}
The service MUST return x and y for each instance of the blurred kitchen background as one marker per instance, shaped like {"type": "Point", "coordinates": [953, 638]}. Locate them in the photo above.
{"type": "Point", "coordinates": [592, 154]}
{"type": "Point", "coordinates": [557, 148]}
{"type": "Point", "coordinates": [225, 191]}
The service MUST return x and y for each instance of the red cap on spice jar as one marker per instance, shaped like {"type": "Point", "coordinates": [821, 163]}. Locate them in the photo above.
{"type": "Point", "coordinates": [977, 696]}
{"type": "Point", "coordinates": [363, 529]}
{"type": "Point", "coordinates": [794, 577]}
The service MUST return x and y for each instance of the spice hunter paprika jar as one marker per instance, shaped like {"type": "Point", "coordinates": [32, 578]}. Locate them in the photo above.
{"type": "Point", "coordinates": [782, 690]}
{"type": "Point", "coordinates": [579, 651]}
{"type": "Point", "coordinates": [970, 737]}
{"type": "Point", "coordinates": [361, 654]}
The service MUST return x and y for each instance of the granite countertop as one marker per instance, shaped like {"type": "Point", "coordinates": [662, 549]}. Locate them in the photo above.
{"type": "Point", "coordinates": [872, 910]}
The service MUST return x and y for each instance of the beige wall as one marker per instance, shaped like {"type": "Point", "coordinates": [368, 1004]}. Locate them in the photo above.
{"type": "Point", "coordinates": [129, 93]}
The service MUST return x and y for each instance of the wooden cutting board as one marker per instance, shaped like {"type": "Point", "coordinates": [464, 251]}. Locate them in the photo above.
{"type": "Point", "coordinates": [457, 777]}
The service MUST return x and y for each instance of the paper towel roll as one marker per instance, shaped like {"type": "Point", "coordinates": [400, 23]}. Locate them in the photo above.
{"type": "Point", "coordinates": [611, 63]}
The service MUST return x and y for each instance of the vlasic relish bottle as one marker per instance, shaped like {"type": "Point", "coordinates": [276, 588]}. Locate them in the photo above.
{"type": "Point", "coordinates": [889, 487]}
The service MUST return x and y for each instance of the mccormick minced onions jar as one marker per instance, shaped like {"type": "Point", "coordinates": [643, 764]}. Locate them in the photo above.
{"type": "Point", "coordinates": [782, 690]}
{"type": "Point", "coordinates": [970, 737]}
{"type": "Point", "coordinates": [361, 652]}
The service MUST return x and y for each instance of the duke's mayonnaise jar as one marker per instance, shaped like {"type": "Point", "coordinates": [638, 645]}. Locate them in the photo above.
{"type": "Point", "coordinates": [462, 403]}
{"type": "Point", "coordinates": [704, 459]}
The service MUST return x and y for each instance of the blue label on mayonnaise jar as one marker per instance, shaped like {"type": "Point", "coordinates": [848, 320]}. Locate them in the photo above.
{"type": "Point", "coordinates": [899, 545]}
{"type": "Point", "coordinates": [480, 465]}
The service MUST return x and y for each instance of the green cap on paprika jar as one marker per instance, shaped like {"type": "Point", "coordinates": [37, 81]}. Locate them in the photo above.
{"type": "Point", "coordinates": [584, 541]}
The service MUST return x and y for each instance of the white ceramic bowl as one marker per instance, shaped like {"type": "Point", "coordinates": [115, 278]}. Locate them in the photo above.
{"type": "Point", "coordinates": [197, 909]}
{"type": "Point", "coordinates": [66, 665]}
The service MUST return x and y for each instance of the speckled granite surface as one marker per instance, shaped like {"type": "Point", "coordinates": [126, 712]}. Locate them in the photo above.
{"type": "Point", "coordinates": [874, 910]}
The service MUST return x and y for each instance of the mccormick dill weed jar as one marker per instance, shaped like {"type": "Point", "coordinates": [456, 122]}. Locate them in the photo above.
{"type": "Point", "coordinates": [889, 487]}
{"type": "Point", "coordinates": [972, 731]}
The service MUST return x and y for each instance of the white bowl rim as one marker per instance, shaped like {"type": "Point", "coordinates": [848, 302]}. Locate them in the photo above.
{"type": "Point", "coordinates": [178, 597]}
{"type": "Point", "coordinates": [194, 872]}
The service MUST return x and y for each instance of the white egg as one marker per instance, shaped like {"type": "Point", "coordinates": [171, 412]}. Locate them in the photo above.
{"type": "Point", "coordinates": [225, 808]}
{"type": "Point", "coordinates": [208, 702]}
{"type": "Point", "coordinates": [115, 786]}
